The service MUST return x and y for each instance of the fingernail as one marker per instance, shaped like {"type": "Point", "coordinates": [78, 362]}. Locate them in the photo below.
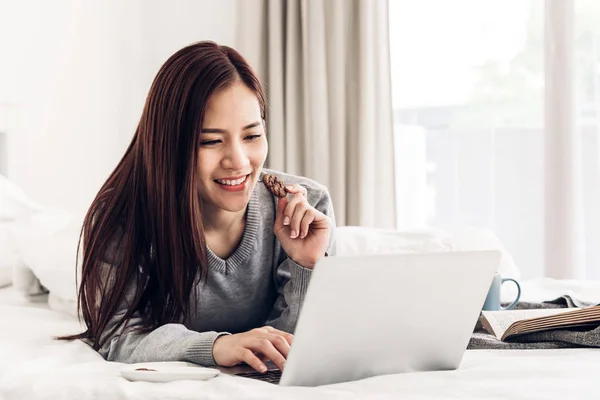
{"type": "Point", "coordinates": [289, 187]}
{"type": "Point", "coordinates": [283, 366]}
{"type": "Point", "coordinates": [263, 369]}
{"type": "Point", "coordinates": [293, 234]}
{"type": "Point", "coordinates": [286, 220]}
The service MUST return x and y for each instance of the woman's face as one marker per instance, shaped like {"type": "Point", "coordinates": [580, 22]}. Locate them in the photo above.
{"type": "Point", "coordinates": [233, 148]}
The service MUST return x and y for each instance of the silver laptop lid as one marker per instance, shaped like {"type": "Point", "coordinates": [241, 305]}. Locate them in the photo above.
{"type": "Point", "coordinates": [384, 314]}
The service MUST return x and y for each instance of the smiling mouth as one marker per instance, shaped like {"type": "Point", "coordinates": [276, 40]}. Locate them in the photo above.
{"type": "Point", "coordinates": [232, 182]}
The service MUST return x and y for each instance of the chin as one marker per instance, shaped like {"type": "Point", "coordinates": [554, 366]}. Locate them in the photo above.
{"type": "Point", "coordinates": [234, 208]}
{"type": "Point", "coordinates": [233, 204]}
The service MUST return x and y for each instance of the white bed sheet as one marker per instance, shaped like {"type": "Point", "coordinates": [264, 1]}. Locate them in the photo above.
{"type": "Point", "coordinates": [33, 366]}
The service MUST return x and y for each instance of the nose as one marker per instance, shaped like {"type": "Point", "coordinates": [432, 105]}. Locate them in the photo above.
{"type": "Point", "coordinates": [236, 158]}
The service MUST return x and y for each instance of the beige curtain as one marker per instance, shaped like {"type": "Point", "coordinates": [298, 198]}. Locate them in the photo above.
{"type": "Point", "coordinates": [325, 66]}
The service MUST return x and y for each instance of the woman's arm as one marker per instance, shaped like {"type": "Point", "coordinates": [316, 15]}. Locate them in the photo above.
{"type": "Point", "coordinates": [291, 278]}
{"type": "Point", "coordinates": [292, 282]}
{"type": "Point", "coordinates": [170, 342]}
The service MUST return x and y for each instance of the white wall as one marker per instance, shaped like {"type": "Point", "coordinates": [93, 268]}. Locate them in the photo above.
{"type": "Point", "coordinates": [78, 72]}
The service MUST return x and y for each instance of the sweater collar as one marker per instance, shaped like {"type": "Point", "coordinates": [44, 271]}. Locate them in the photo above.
{"type": "Point", "coordinates": [247, 244]}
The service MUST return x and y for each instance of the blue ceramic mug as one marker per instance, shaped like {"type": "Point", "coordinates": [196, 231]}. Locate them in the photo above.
{"type": "Point", "coordinates": [492, 301]}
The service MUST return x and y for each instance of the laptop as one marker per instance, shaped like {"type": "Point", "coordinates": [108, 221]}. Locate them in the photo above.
{"type": "Point", "coordinates": [372, 315]}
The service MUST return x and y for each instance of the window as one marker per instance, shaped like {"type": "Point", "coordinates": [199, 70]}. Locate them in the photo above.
{"type": "Point", "coordinates": [469, 97]}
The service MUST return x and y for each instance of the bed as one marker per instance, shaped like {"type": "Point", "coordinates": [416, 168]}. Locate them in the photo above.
{"type": "Point", "coordinates": [34, 366]}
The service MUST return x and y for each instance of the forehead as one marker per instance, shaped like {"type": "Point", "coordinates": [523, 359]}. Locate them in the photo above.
{"type": "Point", "coordinates": [232, 104]}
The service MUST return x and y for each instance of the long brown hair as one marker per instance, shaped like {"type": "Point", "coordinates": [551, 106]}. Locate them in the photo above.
{"type": "Point", "coordinates": [146, 220]}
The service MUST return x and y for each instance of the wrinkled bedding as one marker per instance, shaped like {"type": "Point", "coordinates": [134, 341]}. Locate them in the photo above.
{"type": "Point", "coordinates": [34, 366]}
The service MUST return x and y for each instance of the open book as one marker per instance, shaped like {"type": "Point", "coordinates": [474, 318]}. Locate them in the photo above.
{"type": "Point", "coordinates": [509, 323]}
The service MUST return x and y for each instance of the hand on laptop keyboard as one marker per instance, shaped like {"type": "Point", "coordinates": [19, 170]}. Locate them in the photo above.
{"type": "Point", "coordinates": [249, 347]}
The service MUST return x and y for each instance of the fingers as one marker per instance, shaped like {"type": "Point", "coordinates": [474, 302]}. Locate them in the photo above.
{"type": "Point", "coordinates": [281, 344]}
{"type": "Point", "coordinates": [267, 347]}
{"type": "Point", "coordinates": [254, 347]}
{"type": "Point", "coordinates": [296, 188]}
{"type": "Point", "coordinates": [308, 218]}
{"type": "Point", "coordinates": [288, 336]}
{"type": "Point", "coordinates": [294, 212]}
{"type": "Point", "coordinates": [298, 215]}
{"type": "Point", "coordinates": [248, 356]}
{"type": "Point", "coordinates": [280, 214]}
{"type": "Point", "coordinates": [270, 344]}
{"type": "Point", "coordinates": [283, 202]}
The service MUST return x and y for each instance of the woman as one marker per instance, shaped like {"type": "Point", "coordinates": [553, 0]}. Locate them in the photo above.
{"type": "Point", "coordinates": [186, 254]}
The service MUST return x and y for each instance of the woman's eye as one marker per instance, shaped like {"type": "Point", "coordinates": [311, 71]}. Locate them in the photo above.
{"type": "Point", "coordinates": [210, 142]}
{"type": "Point", "coordinates": [252, 137]}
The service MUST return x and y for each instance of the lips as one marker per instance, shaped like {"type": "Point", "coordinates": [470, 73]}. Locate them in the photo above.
{"type": "Point", "coordinates": [233, 181]}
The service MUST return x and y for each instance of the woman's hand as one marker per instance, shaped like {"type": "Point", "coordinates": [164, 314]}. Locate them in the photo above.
{"type": "Point", "coordinates": [253, 347]}
{"type": "Point", "coordinates": [302, 230]}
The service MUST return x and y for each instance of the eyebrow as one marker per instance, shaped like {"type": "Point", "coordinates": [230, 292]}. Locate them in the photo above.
{"type": "Point", "coordinates": [217, 130]}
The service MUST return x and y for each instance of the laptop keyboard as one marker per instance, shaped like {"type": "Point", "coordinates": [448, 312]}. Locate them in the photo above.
{"type": "Point", "coordinates": [272, 376]}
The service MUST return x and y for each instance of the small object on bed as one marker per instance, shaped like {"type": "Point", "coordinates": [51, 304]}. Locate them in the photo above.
{"type": "Point", "coordinates": [508, 324]}
{"type": "Point", "coordinates": [166, 372]}
{"type": "Point", "coordinates": [275, 185]}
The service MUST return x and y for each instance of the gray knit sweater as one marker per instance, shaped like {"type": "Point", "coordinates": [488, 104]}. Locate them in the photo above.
{"type": "Point", "coordinates": [257, 285]}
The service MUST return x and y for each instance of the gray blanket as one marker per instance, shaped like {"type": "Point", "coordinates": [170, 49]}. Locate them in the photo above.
{"type": "Point", "coordinates": [553, 339]}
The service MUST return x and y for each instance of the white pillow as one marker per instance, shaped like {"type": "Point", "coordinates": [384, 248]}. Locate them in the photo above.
{"type": "Point", "coordinates": [485, 239]}
{"type": "Point", "coordinates": [15, 207]}
{"type": "Point", "coordinates": [8, 254]}
{"type": "Point", "coordinates": [47, 247]}
{"type": "Point", "coordinates": [14, 202]}
{"type": "Point", "coordinates": [38, 248]}
{"type": "Point", "coordinates": [355, 240]}
{"type": "Point", "coordinates": [56, 270]}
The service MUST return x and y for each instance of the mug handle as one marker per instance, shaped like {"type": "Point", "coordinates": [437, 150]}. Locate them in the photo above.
{"type": "Point", "coordinates": [514, 303]}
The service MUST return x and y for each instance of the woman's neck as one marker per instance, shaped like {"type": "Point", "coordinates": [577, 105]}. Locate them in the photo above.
{"type": "Point", "coordinates": [216, 220]}
{"type": "Point", "coordinates": [223, 231]}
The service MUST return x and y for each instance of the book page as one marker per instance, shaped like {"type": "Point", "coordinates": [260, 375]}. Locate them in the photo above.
{"type": "Point", "coordinates": [497, 322]}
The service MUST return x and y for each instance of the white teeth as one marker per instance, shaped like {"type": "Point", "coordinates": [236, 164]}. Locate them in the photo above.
{"type": "Point", "coordinates": [232, 183]}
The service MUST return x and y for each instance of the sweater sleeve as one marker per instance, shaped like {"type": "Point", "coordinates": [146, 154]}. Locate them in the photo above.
{"type": "Point", "coordinates": [169, 342]}
{"type": "Point", "coordinates": [292, 279]}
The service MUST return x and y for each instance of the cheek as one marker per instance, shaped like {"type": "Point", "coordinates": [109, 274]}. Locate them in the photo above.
{"type": "Point", "coordinates": [206, 164]}
{"type": "Point", "coordinates": [260, 154]}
